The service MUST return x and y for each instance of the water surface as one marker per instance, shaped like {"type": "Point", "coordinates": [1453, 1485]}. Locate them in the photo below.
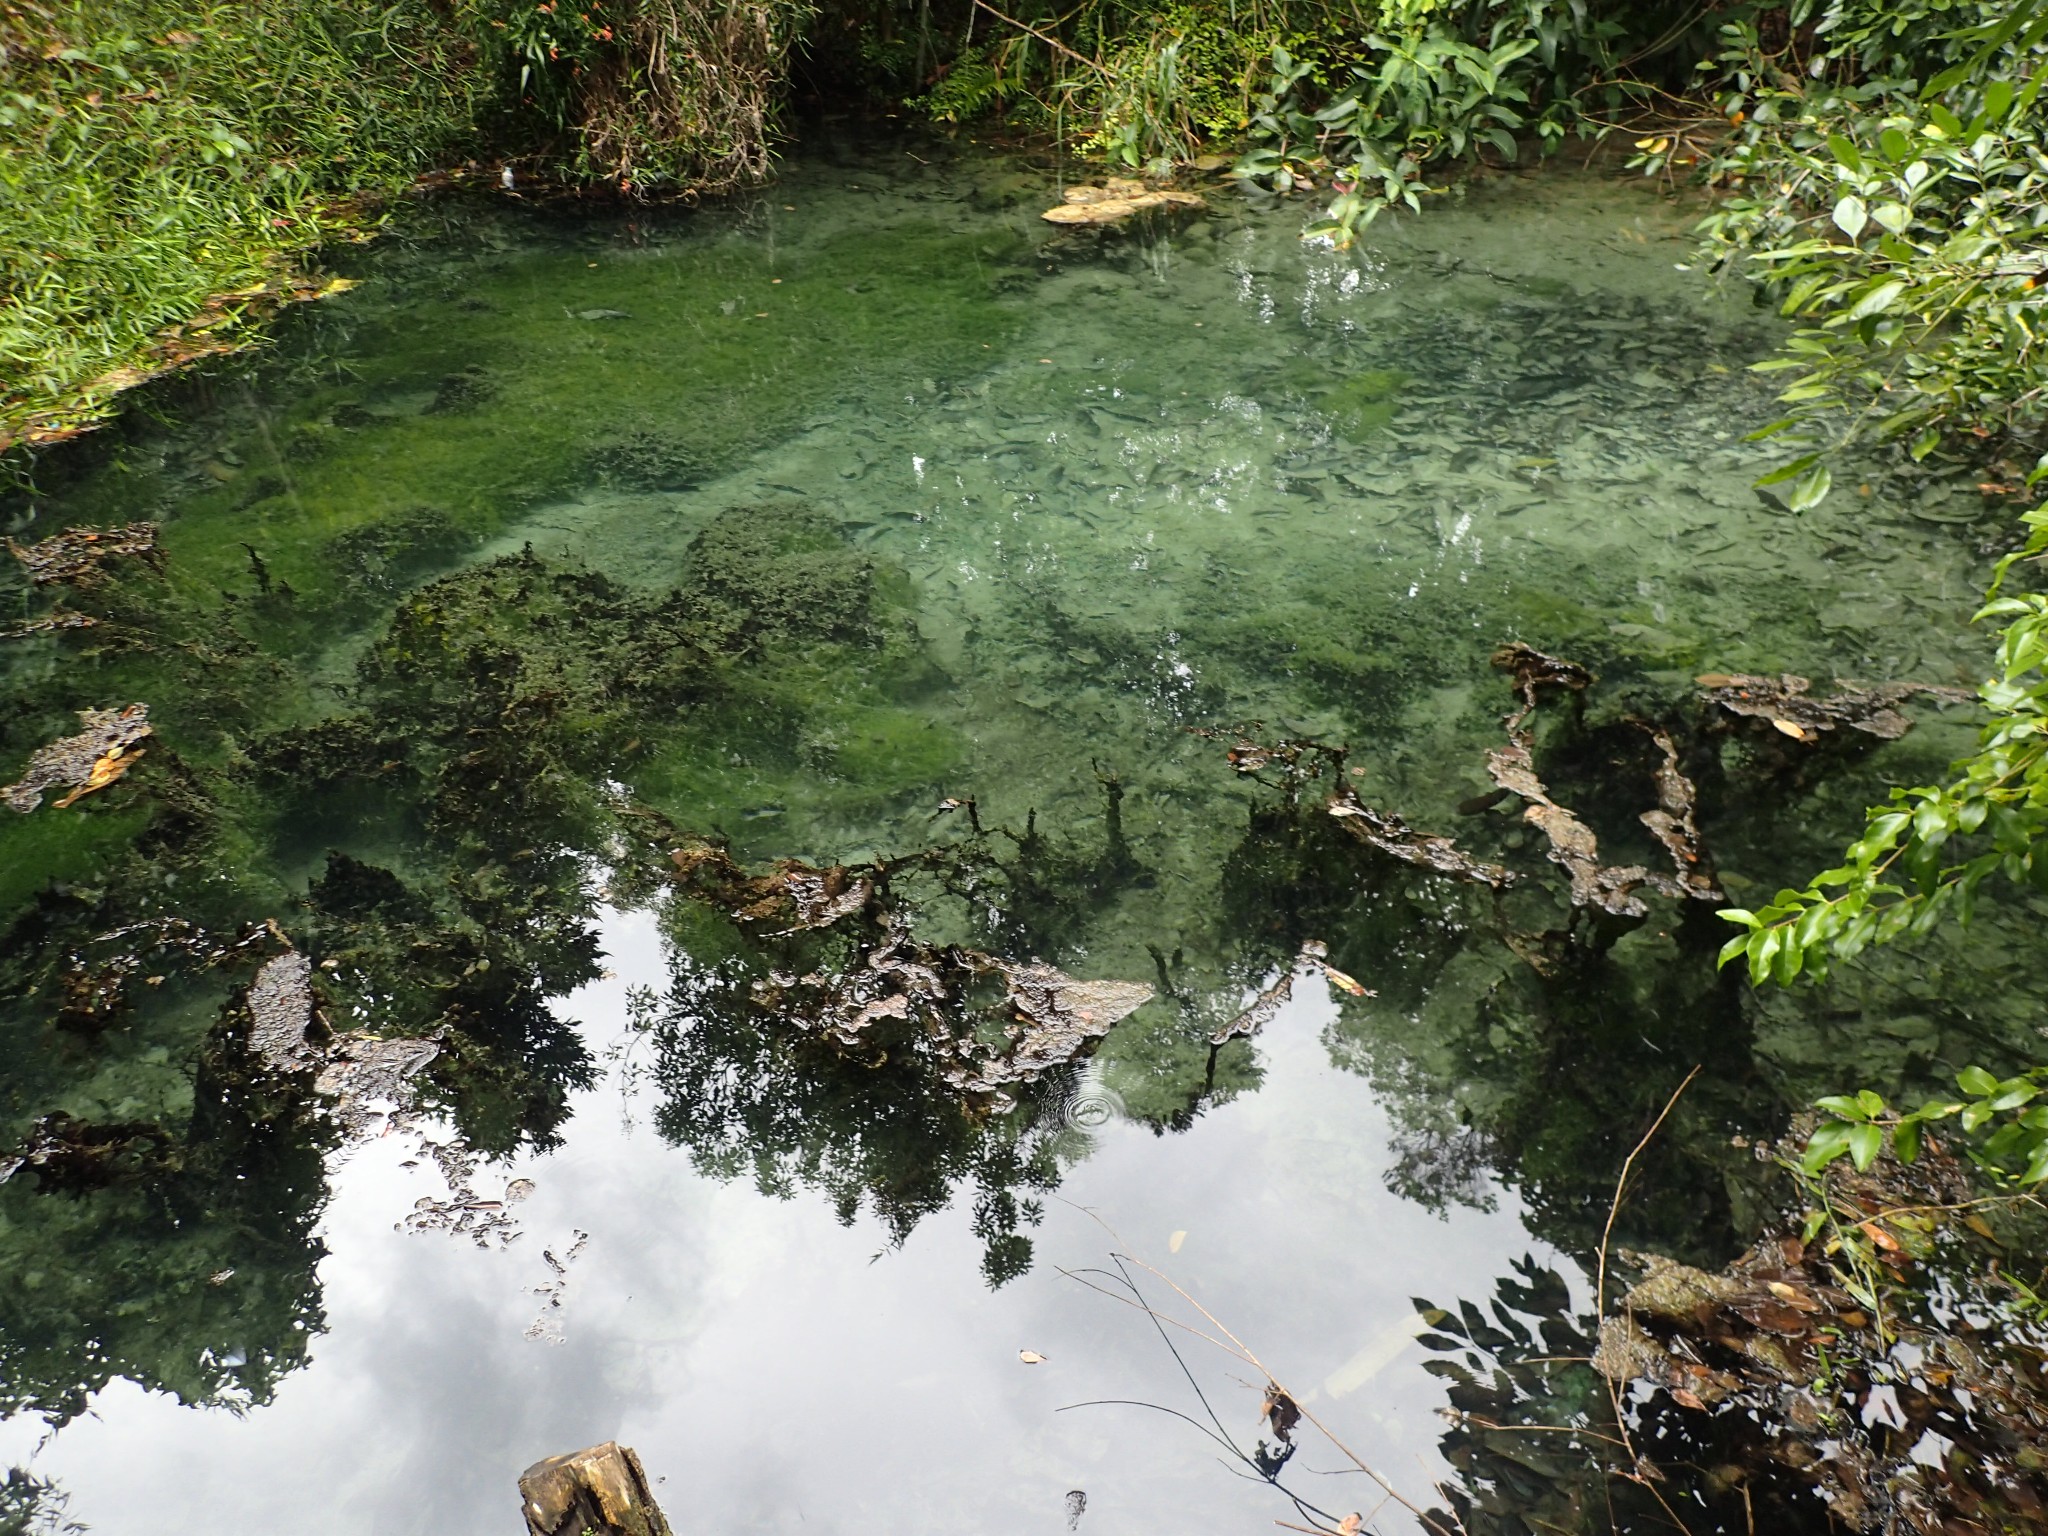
{"type": "Point", "coordinates": [797, 525]}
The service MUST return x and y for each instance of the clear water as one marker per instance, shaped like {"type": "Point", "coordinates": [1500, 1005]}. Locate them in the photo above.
{"type": "Point", "coordinates": [1007, 515]}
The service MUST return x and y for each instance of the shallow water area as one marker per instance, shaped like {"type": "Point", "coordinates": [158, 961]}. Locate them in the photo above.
{"type": "Point", "coordinates": [872, 524]}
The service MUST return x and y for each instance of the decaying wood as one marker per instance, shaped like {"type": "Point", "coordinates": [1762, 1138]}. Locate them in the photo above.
{"type": "Point", "coordinates": [94, 758]}
{"type": "Point", "coordinates": [1788, 706]}
{"type": "Point", "coordinates": [75, 555]}
{"type": "Point", "coordinates": [1392, 836]}
{"type": "Point", "coordinates": [1114, 201]}
{"type": "Point", "coordinates": [602, 1491]}
{"type": "Point", "coordinates": [1673, 823]}
{"type": "Point", "coordinates": [1573, 847]}
{"type": "Point", "coordinates": [899, 993]}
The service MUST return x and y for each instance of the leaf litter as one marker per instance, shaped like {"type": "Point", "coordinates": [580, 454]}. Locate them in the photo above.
{"type": "Point", "coordinates": [75, 556]}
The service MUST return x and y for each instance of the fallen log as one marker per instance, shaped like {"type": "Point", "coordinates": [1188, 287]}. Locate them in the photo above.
{"type": "Point", "coordinates": [602, 1491]}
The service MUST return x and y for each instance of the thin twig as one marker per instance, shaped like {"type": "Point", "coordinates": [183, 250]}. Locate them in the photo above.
{"type": "Point", "coordinates": [1429, 1521]}
{"type": "Point", "coordinates": [1050, 42]}
{"type": "Point", "coordinates": [1620, 1184]}
{"type": "Point", "coordinates": [1635, 1472]}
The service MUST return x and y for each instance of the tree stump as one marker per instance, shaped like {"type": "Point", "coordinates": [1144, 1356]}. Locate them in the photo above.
{"type": "Point", "coordinates": [602, 1491]}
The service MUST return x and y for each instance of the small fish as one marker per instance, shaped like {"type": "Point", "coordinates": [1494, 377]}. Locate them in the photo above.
{"type": "Point", "coordinates": [1478, 805]}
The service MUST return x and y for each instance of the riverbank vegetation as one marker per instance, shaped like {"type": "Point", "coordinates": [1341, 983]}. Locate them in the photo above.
{"type": "Point", "coordinates": [168, 169]}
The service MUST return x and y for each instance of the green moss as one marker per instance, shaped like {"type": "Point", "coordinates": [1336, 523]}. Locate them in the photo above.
{"type": "Point", "coordinates": [885, 750]}
{"type": "Point", "coordinates": [396, 489]}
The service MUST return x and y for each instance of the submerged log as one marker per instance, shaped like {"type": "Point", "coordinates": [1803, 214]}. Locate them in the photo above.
{"type": "Point", "coordinates": [602, 1491]}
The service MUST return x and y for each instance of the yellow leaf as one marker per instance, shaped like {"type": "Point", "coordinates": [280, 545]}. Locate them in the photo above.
{"type": "Point", "coordinates": [337, 285]}
{"type": "Point", "coordinates": [1349, 984]}
{"type": "Point", "coordinates": [1173, 1243]}
{"type": "Point", "coordinates": [1031, 1357]}
{"type": "Point", "coordinates": [1789, 729]}
{"type": "Point", "coordinates": [105, 770]}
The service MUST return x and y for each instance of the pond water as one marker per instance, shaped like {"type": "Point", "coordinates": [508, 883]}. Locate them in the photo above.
{"type": "Point", "coordinates": [869, 525]}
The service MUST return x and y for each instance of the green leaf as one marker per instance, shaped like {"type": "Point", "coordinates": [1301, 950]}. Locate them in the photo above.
{"type": "Point", "coordinates": [1812, 489]}
{"type": "Point", "coordinates": [1865, 1142]}
{"type": "Point", "coordinates": [1924, 443]}
{"type": "Point", "coordinates": [1778, 476]}
{"type": "Point", "coordinates": [1826, 1144]}
{"type": "Point", "coordinates": [1976, 1082]}
{"type": "Point", "coordinates": [1846, 155]}
{"type": "Point", "coordinates": [1878, 299]}
{"type": "Point", "coordinates": [2012, 1095]}
{"type": "Point", "coordinates": [1851, 217]}
{"type": "Point", "coordinates": [1906, 1140]}
{"type": "Point", "coordinates": [1893, 216]}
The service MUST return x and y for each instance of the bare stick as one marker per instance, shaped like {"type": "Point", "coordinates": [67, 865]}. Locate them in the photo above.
{"type": "Point", "coordinates": [1428, 1521]}
{"type": "Point", "coordinates": [1050, 42]}
{"type": "Point", "coordinates": [1620, 1186]}
{"type": "Point", "coordinates": [1600, 1303]}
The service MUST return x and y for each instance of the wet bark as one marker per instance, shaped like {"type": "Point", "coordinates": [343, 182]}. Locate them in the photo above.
{"type": "Point", "coordinates": [603, 1491]}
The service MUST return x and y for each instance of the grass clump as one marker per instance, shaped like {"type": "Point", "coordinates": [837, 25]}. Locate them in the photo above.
{"type": "Point", "coordinates": [166, 166]}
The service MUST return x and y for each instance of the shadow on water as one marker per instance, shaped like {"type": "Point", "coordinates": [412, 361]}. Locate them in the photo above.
{"type": "Point", "coordinates": [898, 672]}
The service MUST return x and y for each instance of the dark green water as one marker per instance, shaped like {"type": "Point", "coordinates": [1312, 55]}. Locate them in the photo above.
{"type": "Point", "coordinates": [558, 543]}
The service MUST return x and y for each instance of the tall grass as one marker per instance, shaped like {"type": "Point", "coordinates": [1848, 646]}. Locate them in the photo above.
{"type": "Point", "coordinates": [161, 160]}
{"type": "Point", "coordinates": [658, 96]}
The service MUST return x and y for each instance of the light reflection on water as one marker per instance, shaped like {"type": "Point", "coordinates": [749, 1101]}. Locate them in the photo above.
{"type": "Point", "coordinates": [781, 1370]}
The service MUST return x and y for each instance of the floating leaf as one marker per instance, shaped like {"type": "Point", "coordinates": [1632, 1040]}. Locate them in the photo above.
{"type": "Point", "coordinates": [1347, 983]}
{"type": "Point", "coordinates": [105, 770]}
